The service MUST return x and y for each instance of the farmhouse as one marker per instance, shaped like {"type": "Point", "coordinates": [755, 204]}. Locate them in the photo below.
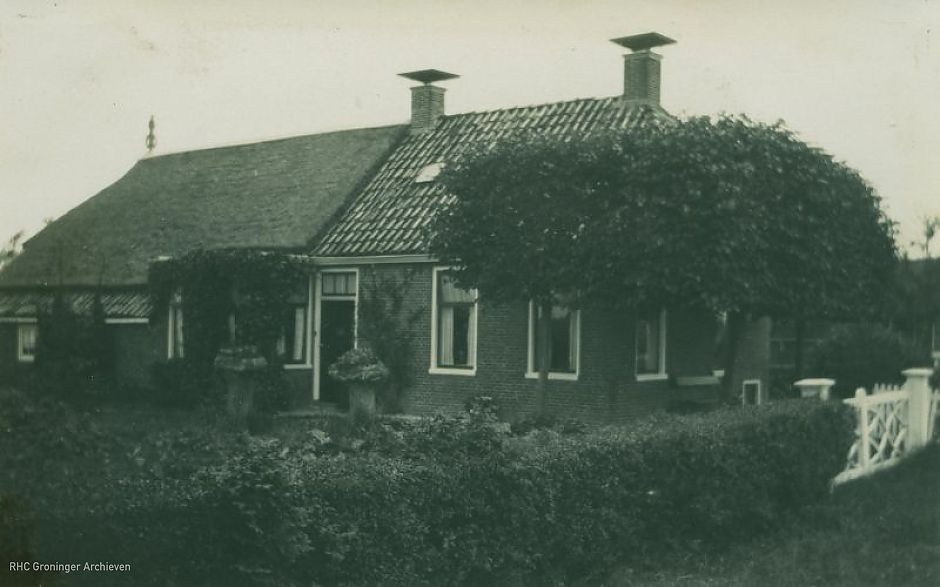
{"type": "Point", "coordinates": [353, 205]}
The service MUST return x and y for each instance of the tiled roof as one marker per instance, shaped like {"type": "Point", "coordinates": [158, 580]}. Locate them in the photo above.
{"type": "Point", "coordinates": [116, 304]}
{"type": "Point", "coordinates": [389, 214]}
{"type": "Point", "coordinates": [272, 194]}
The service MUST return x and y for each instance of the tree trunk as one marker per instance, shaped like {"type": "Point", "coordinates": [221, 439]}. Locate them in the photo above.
{"type": "Point", "coordinates": [799, 346]}
{"type": "Point", "coordinates": [543, 360]}
{"type": "Point", "coordinates": [736, 322]}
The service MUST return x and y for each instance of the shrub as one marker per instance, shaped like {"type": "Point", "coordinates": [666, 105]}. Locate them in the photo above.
{"type": "Point", "coordinates": [460, 501]}
{"type": "Point", "coordinates": [180, 383]}
{"type": "Point", "coordinates": [861, 355]}
{"type": "Point", "coordinates": [16, 534]}
{"type": "Point", "coordinates": [572, 504]}
{"type": "Point", "coordinates": [250, 523]}
{"type": "Point", "coordinates": [272, 393]}
{"type": "Point", "coordinates": [74, 352]}
{"type": "Point", "coordinates": [359, 365]}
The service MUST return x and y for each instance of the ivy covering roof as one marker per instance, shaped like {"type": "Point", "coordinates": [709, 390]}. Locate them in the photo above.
{"type": "Point", "coordinates": [273, 194]}
{"type": "Point", "coordinates": [389, 214]}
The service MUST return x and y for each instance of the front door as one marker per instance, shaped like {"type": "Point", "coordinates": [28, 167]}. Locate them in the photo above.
{"type": "Point", "coordinates": [337, 335]}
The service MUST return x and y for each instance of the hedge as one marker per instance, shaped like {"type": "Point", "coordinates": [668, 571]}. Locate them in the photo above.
{"type": "Point", "coordinates": [568, 506]}
{"type": "Point", "coordinates": [490, 508]}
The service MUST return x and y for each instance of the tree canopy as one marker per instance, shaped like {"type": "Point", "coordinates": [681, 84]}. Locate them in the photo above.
{"type": "Point", "coordinates": [726, 214]}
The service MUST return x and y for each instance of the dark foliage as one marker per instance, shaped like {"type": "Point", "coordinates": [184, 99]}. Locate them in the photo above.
{"type": "Point", "coordinates": [386, 326]}
{"type": "Point", "coordinates": [726, 214]}
{"type": "Point", "coordinates": [461, 501]}
{"type": "Point", "coordinates": [254, 285]}
{"type": "Point", "coordinates": [271, 392]}
{"type": "Point", "coordinates": [183, 383]}
{"type": "Point", "coordinates": [861, 355]}
{"type": "Point", "coordinates": [74, 352]}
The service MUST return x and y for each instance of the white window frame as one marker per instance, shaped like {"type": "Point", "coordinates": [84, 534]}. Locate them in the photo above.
{"type": "Point", "coordinates": [757, 396]}
{"type": "Point", "coordinates": [307, 362]}
{"type": "Point", "coordinates": [174, 315]}
{"type": "Point", "coordinates": [661, 374]}
{"type": "Point", "coordinates": [435, 369]}
{"type": "Point", "coordinates": [304, 362]}
{"type": "Point", "coordinates": [21, 329]}
{"type": "Point", "coordinates": [935, 339]}
{"type": "Point", "coordinates": [316, 293]}
{"type": "Point", "coordinates": [531, 372]}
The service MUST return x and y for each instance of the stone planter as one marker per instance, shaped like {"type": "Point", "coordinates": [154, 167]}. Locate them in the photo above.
{"type": "Point", "coordinates": [361, 400]}
{"type": "Point", "coordinates": [239, 367]}
{"type": "Point", "coordinates": [815, 388]}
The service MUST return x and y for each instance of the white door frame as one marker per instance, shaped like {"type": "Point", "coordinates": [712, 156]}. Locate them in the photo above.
{"type": "Point", "coordinates": [319, 298]}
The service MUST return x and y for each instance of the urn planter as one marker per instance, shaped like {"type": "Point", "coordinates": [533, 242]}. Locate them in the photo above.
{"type": "Point", "coordinates": [362, 400]}
{"type": "Point", "coordinates": [239, 367]}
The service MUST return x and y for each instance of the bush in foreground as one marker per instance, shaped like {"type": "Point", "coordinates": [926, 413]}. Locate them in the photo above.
{"type": "Point", "coordinates": [484, 507]}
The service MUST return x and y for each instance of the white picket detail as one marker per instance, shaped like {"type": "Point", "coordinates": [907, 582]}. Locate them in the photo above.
{"type": "Point", "coordinates": [932, 417]}
{"type": "Point", "coordinates": [890, 423]}
{"type": "Point", "coordinates": [881, 432]}
{"type": "Point", "coordinates": [885, 387]}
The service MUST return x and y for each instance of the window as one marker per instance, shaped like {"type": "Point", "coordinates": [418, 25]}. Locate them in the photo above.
{"type": "Point", "coordinates": [428, 173]}
{"type": "Point", "coordinates": [564, 342]}
{"type": "Point", "coordinates": [26, 335]}
{"type": "Point", "coordinates": [454, 326]}
{"type": "Point", "coordinates": [750, 392]}
{"type": "Point", "coordinates": [720, 345]}
{"type": "Point", "coordinates": [175, 327]}
{"type": "Point", "coordinates": [338, 284]}
{"type": "Point", "coordinates": [291, 346]}
{"type": "Point", "coordinates": [650, 347]}
{"type": "Point", "coordinates": [935, 339]}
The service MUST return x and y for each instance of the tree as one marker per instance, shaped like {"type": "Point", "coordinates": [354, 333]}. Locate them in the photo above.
{"type": "Point", "coordinates": [726, 215]}
{"type": "Point", "coordinates": [917, 297]}
{"type": "Point", "coordinates": [11, 249]}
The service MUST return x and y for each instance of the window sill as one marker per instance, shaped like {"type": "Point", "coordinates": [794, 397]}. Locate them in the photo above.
{"type": "Point", "coordinates": [553, 376]}
{"type": "Point", "coordinates": [29, 360]}
{"type": "Point", "coordinates": [296, 366]}
{"type": "Point", "coordinates": [452, 371]}
{"type": "Point", "coordinates": [719, 373]}
{"type": "Point", "coordinates": [652, 377]}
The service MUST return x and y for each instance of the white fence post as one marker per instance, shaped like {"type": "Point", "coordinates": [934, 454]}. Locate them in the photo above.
{"type": "Point", "coordinates": [863, 440]}
{"type": "Point", "coordinates": [916, 384]}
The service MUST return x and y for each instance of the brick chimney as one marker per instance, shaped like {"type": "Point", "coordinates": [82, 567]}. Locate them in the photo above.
{"type": "Point", "coordinates": [427, 100]}
{"type": "Point", "coordinates": [641, 67]}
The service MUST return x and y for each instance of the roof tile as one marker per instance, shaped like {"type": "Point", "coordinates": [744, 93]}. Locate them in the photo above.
{"type": "Point", "coordinates": [375, 223]}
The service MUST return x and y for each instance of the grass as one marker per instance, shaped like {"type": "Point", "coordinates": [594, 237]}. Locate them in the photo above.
{"type": "Point", "coordinates": [882, 530]}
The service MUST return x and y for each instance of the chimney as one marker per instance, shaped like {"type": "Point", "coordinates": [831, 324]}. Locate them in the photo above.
{"type": "Point", "coordinates": [641, 67]}
{"type": "Point", "coordinates": [427, 101]}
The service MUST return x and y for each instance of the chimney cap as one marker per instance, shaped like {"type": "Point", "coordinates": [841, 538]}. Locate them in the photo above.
{"type": "Point", "coordinates": [428, 76]}
{"type": "Point", "coordinates": [643, 42]}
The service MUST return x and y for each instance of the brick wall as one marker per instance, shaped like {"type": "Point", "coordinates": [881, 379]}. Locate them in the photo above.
{"type": "Point", "coordinates": [12, 371]}
{"type": "Point", "coordinates": [753, 357]}
{"type": "Point", "coordinates": [136, 348]}
{"type": "Point", "coordinates": [605, 389]}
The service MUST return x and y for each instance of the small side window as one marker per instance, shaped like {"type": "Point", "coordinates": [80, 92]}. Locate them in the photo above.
{"type": "Point", "coordinates": [26, 337]}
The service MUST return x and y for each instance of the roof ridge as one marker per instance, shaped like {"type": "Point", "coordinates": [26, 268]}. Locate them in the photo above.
{"type": "Point", "coordinates": [251, 143]}
{"type": "Point", "coordinates": [532, 106]}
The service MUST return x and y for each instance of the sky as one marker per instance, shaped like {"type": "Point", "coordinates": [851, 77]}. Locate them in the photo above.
{"type": "Point", "coordinates": [79, 80]}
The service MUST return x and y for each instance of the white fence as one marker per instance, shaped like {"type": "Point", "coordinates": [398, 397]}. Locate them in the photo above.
{"type": "Point", "coordinates": [891, 423]}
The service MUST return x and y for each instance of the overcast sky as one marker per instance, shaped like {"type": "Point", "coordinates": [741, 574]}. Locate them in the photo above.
{"type": "Point", "coordinates": [80, 79]}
